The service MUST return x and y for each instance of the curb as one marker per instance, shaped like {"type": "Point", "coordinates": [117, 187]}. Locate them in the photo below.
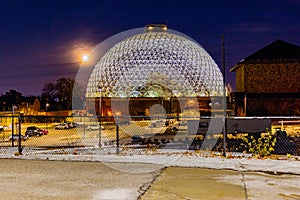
{"type": "Point", "coordinates": [237, 164]}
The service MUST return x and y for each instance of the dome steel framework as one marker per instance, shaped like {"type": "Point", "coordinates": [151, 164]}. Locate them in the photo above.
{"type": "Point", "coordinates": [156, 63]}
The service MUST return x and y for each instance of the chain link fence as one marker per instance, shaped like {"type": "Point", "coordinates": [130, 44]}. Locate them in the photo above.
{"type": "Point", "coordinates": [65, 134]}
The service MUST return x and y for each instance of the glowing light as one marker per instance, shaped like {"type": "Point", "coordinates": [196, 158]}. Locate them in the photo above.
{"type": "Point", "coordinates": [85, 58]}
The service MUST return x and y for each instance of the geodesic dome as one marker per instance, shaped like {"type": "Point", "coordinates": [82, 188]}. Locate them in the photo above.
{"type": "Point", "coordinates": [156, 63]}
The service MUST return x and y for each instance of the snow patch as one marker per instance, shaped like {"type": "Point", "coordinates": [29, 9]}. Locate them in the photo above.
{"type": "Point", "coordinates": [115, 194]}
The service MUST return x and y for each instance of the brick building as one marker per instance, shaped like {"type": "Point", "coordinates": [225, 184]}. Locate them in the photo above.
{"type": "Point", "coordinates": [267, 82]}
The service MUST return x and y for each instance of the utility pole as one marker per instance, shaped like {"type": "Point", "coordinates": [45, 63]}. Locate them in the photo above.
{"type": "Point", "coordinates": [224, 96]}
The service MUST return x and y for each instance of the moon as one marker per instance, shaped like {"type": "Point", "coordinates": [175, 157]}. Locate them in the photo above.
{"type": "Point", "coordinates": [85, 58]}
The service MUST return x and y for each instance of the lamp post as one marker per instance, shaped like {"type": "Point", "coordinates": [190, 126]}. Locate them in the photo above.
{"type": "Point", "coordinates": [13, 125]}
{"type": "Point", "coordinates": [47, 105]}
{"type": "Point", "coordinates": [84, 114]}
{"type": "Point", "coordinates": [100, 110]}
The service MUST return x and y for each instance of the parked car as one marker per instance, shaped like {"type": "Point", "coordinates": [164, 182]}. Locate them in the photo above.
{"type": "Point", "coordinates": [35, 131]}
{"type": "Point", "coordinates": [16, 137]}
{"type": "Point", "coordinates": [43, 131]}
{"type": "Point", "coordinates": [32, 133]}
{"type": "Point", "coordinates": [179, 125]}
{"type": "Point", "coordinates": [137, 139]}
{"type": "Point", "coordinates": [125, 122]}
{"type": "Point", "coordinates": [182, 123]}
{"type": "Point", "coordinates": [71, 124]}
{"type": "Point", "coordinates": [94, 127]}
{"type": "Point", "coordinates": [62, 126]}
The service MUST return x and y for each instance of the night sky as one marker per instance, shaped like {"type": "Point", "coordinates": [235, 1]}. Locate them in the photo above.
{"type": "Point", "coordinates": [42, 41]}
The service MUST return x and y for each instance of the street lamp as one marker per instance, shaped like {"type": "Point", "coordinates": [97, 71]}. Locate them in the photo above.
{"type": "Point", "coordinates": [12, 125]}
{"type": "Point", "coordinates": [47, 105]}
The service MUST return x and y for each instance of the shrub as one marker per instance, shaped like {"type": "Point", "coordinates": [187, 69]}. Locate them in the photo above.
{"type": "Point", "coordinates": [262, 146]}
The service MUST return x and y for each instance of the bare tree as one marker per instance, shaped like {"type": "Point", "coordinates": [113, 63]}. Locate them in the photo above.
{"type": "Point", "coordinates": [59, 95]}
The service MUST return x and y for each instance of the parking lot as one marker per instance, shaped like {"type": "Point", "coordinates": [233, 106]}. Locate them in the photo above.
{"type": "Point", "coordinates": [62, 137]}
{"type": "Point", "coordinates": [138, 134]}
{"type": "Point", "coordinates": [83, 135]}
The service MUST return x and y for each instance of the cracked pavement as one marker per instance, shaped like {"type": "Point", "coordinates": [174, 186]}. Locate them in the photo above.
{"type": "Point", "coordinates": [44, 179]}
{"type": "Point", "coordinates": [36, 179]}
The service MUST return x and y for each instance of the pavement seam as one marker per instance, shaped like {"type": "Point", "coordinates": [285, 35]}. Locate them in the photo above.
{"type": "Point", "coordinates": [244, 185]}
{"type": "Point", "coordinates": [143, 189]}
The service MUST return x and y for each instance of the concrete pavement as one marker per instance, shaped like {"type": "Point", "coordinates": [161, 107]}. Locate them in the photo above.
{"type": "Point", "coordinates": [211, 184]}
{"type": "Point", "coordinates": [44, 179]}
{"type": "Point", "coordinates": [35, 179]}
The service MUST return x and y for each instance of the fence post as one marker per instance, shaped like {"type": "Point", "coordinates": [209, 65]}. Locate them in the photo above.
{"type": "Point", "coordinates": [224, 136]}
{"type": "Point", "coordinates": [84, 127]}
{"type": "Point", "coordinates": [117, 135]}
{"type": "Point", "coordinates": [100, 134]}
{"type": "Point", "coordinates": [12, 128]}
{"type": "Point", "coordinates": [19, 142]}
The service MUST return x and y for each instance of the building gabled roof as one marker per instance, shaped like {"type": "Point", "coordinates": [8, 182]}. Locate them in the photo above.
{"type": "Point", "coordinates": [277, 50]}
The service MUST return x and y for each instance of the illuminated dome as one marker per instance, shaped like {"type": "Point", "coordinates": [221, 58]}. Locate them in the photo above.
{"type": "Point", "coordinates": [156, 63]}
